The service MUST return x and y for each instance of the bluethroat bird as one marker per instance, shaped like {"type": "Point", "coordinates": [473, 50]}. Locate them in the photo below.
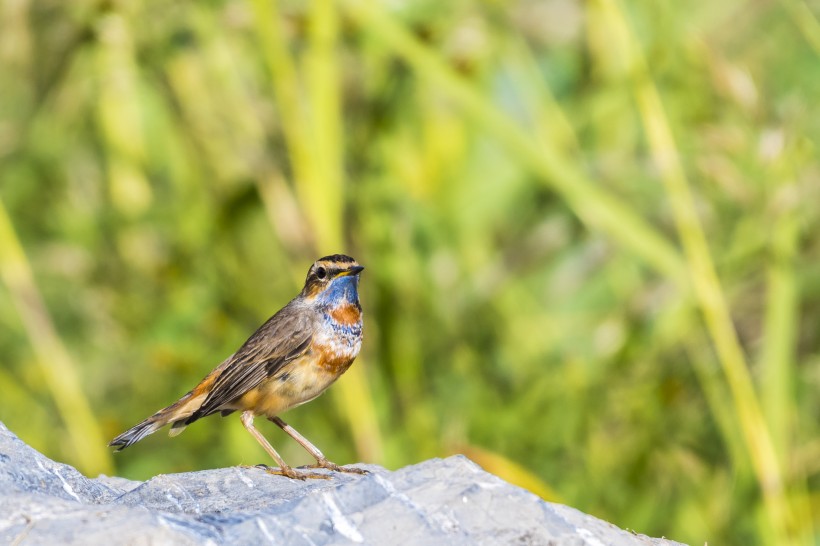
{"type": "Point", "coordinates": [291, 359]}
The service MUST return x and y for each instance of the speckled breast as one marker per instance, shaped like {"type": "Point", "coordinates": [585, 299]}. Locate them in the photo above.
{"type": "Point", "coordinates": [339, 338]}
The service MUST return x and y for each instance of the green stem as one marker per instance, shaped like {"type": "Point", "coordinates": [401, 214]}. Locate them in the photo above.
{"type": "Point", "coordinates": [597, 208]}
{"type": "Point", "coordinates": [59, 372]}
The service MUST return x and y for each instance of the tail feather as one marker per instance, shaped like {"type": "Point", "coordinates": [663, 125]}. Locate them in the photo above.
{"type": "Point", "coordinates": [136, 433]}
{"type": "Point", "coordinates": [177, 428]}
{"type": "Point", "coordinates": [175, 413]}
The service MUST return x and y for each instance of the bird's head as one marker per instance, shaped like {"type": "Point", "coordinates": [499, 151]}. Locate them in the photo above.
{"type": "Point", "coordinates": [333, 279]}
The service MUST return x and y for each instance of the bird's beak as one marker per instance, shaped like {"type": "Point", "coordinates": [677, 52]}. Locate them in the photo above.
{"type": "Point", "coordinates": [354, 270]}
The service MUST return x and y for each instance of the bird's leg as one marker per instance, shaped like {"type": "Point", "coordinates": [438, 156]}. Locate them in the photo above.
{"type": "Point", "coordinates": [321, 460]}
{"type": "Point", "coordinates": [284, 469]}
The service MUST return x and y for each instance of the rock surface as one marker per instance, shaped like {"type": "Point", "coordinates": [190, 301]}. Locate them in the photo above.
{"type": "Point", "coordinates": [450, 501]}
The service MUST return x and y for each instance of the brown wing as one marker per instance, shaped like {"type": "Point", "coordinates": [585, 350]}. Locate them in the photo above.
{"type": "Point", "coordinates": [284, 337]}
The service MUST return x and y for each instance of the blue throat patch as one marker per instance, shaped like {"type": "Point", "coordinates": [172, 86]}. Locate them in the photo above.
{"type": "Point", "coordinates": [340, 290]}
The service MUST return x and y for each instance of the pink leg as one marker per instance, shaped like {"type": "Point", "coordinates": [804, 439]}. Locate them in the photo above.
{"type": "Point", "coordinates": [321, 460]}
{"type": "Point", "coordinates": [284, 469]}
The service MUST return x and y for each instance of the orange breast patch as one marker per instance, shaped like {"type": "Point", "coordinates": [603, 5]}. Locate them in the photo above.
{"type": "Point", "coordinates": [346, 314]}
{"type": "Point", "coordinates": [333, 362]}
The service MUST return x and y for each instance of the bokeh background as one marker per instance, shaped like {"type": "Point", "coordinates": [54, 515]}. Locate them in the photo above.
{"type": "Point", "coordinates": [590, 232]}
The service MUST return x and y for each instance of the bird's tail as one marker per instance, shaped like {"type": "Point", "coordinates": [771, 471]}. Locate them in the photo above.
{"type": "Point", "coordinates": [176, 413]}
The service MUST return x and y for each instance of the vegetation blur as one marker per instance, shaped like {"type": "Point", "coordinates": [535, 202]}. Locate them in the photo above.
{"type": "Point", "coordinates": [590, 233]}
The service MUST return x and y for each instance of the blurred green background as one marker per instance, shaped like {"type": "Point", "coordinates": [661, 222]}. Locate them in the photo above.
{"type": "Point", "coordinates": [590, 233]}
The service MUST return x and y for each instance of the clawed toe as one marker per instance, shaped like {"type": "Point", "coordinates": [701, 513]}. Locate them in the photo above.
{"type": "Point", "coordinates": [347, 469]}
{"type": "Point", "coordinates": [324, 463]}
{"type": "Point", "coordinates": [291, 473]}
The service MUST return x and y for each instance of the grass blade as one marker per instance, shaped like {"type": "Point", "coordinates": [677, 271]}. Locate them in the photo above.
{"type": "Point", "coordinates": [60, 374]}
{"type": "Point", "coordinates": [598, 209]}
{"type": "Point", "coordinates": [707, 288]}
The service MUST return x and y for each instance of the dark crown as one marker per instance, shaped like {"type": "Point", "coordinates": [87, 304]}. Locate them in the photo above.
{"type": "Point", "coordinates": [338, 258]}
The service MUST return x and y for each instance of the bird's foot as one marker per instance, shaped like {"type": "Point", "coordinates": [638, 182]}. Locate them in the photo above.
{"type": "Point", "coordinates": [292, 473]}
{"type": "Point", "coordinates": [324, 463]}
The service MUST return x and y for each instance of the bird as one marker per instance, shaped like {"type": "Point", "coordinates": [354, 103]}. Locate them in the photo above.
{"type": "Point", "coordinates": [290, 360]}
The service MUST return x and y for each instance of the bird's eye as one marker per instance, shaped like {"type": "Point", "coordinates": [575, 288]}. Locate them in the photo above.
{"type": "Point", "coordinates": [321, 273]}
